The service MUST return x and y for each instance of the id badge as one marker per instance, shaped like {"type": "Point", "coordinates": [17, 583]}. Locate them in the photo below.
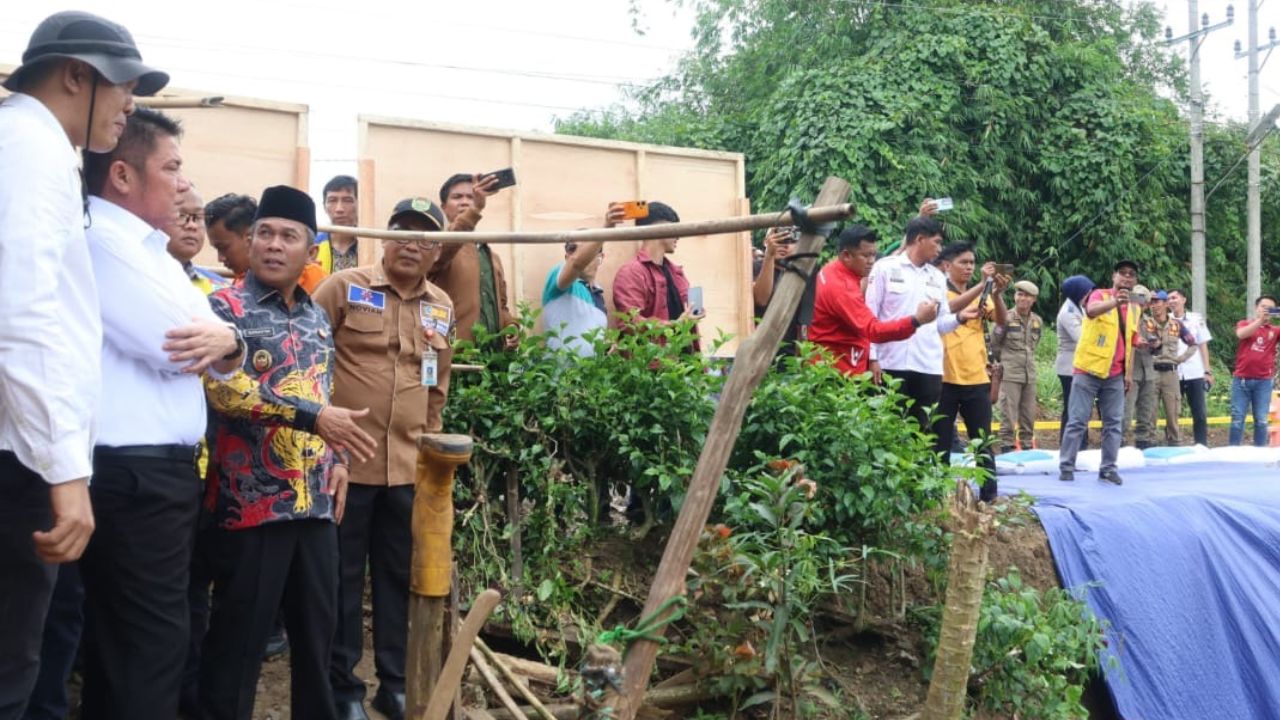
{"type": "Point", "coordinates": [430, 367]}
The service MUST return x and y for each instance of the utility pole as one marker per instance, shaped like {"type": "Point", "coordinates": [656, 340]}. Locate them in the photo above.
{"type": "Point", "coordinates": [1253, 254]}
{"type": "Point", "coordinates": [1194, 39]}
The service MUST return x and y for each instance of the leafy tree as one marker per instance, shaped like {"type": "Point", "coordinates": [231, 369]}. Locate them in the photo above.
{"type": "Point", "coordinates": [1050, 122]}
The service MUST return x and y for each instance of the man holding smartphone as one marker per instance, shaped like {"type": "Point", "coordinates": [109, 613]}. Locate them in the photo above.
{"type": "Point", "coordinates": [470, 273]}
{"type": "Point", "coordinates": [898, 284]}
{"type": "Point", "coordinates": [650, 286]}
{"type": "Point", "coordinates": [1255, 368]}
{"type": "Point", "coordinates": [779, 243]}
{"type": "Point", "coordinates": [1102, 362]}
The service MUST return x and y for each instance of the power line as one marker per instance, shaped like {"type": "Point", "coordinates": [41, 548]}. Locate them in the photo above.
{"type": "Point", "coordinates": [568, 77]}
{"type": "Point", "coordinates": [398, 90]}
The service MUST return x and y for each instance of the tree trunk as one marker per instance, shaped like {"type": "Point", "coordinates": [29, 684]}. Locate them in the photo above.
{"type": "Point", "coordinates": [966, 580]}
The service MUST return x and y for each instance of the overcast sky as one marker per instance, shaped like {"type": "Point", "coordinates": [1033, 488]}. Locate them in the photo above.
{"type": "Point", "coordinates": [499, 63]}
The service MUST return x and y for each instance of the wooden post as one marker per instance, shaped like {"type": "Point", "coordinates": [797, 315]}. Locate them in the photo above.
{"type": "Point", "coordinates": [966, 581]}
{"type": "Point", "coordinates": [513, 521]}
{"type": "Point", "coordinates": [752, 361]}
{"type": "Point", "coordinates": [429, 580]}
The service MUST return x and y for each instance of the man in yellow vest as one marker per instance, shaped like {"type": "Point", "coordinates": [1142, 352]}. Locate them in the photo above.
{"type": "Point", "coordinates": [1101, 368]}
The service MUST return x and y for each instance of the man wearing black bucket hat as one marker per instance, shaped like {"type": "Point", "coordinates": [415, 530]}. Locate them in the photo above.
{"type": "Point", "coordinates": [74, 89]}
{"type": "Point", "coordinates": [390, 332]}
{"type": "Point", "coordinates": [278, 458]}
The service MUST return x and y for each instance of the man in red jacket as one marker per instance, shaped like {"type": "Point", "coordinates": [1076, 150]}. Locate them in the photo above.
{"type": "Point", "coordinates": [842, 322]}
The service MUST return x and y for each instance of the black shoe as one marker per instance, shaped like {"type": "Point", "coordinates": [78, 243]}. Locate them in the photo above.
{"type": "Point", "coordinates": [1143, 445]}
{"type": "Point", "coordinates": [1110, 476]}
{"type": "Point", "coordinates": [1067, 475]}
{"type": "Point", "coordinates": [390, 704]}
{"type": "Point", "coordinates": [351, 710]}
{"type": "Point", "coordinates": [277, 644]}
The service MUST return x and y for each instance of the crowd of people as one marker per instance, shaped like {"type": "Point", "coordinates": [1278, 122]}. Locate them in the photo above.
{"type": "Point", "coordinates": [251, 433]}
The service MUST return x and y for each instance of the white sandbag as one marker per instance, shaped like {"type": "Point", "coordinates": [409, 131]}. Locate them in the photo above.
{"type": "Point", "coordinates": [1243, 454]}
{"type": "Point", "coordinates": [1027, 462]}
{"type": "Point", "coordinates": [1128, 459]}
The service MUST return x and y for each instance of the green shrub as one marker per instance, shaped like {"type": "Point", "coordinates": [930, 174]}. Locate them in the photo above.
{"type": "Point", "coordinates": [1034, 651]}
{"type": "Point", "coordinates": [755, 583]}
{"type": "Point", "coordinates": [876, 471]}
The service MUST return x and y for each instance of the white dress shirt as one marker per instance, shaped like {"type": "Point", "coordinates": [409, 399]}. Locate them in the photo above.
{"type": "Point", "coordinates": [144, 293]}
{"type": "Point", "coordinates": [1193, 367]}
{"type": "Point", "coordinates": [50, 331]}
{"type": "Point", "coordinates": [894, 290]}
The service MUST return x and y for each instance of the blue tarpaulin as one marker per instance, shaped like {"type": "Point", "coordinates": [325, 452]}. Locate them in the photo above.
{"type": "Point", "coordinates": [1187, 561]}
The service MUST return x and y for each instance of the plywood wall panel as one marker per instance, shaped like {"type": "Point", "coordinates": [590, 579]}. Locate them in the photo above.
{"type": "Point", "coordinates": [567, 183]}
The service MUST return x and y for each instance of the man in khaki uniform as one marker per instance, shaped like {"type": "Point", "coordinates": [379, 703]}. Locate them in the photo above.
{"type": "Point", "coordinates": [1140, 398]}
{"type": "Point", "coordinates": [1165, 334]}
{"type": "Point", "coordinates": [390, 332]}
{"type": "Point", "coordinates": [1013, 345]}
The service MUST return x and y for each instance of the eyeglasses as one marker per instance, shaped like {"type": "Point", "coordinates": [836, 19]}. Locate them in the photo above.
{"type": "Point", "coordinates": [195, 218]}
{"type": "Point", "coordinates": [422, 244]}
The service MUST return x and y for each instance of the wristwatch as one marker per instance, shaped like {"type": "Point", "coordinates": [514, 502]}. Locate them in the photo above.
{"type": "Point", "coordinates": [240, 346]}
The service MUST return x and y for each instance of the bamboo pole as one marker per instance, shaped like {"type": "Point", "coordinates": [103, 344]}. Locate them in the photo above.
{"type": "Point", "coordinates": [819, 214]}
{"type": "Point", "coordinates": [966, 580]}
{"type": "Point", "coordinates": [173, 103]}
{"type": "Point", "coordinates": [753, 359]}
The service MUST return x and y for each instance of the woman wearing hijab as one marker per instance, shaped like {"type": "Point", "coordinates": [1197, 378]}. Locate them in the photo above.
{"type": "Point", "coordinates": [1074, 290]}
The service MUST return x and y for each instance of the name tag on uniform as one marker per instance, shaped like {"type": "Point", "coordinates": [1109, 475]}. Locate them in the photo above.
{"type": "Point", "coordinates": [363, 296]}
{"type": "Point", "coordinates": [436, 317]}
{"type": "Point", "coordinates": [258, 332]}
{"type": "Point", "coordinates": [430, 367]}
{"type": "Point", "coordinates": [897, 283]}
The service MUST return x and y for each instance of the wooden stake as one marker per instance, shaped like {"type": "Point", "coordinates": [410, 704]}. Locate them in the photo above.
{"type": "Point", "coordinates": [429, 580]}
{"type": "Point", "coordinates": [513, 521]}
{"type": "Point", "coordinates": [753, 359]}
{"type": "Point", "coordinates": [966, 581]}
{"type": "Point", "coordinates": [451, 674]}
{"type": "Point", "coordinates": [520, 687]}
{"type": "Point", "coordinates": [494, 683]}
{"type": "Point", "coordinates": [820, 213]}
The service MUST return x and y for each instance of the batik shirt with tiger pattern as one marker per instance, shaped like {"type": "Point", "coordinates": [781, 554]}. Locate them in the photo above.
{"type": "Point", "coordinates": [266, 462]}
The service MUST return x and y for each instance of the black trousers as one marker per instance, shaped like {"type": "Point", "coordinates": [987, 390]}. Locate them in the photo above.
{"type": "Point", "coordinates": [59, 647]}
{"type": "Point", "coordinates": [1194, 391]}
{"type": "Point", "coordinates": [135, 574]}
{"type": "Point", "coordinates": [924, 389]}
{"type": "Point", "coordinates": [973, 403]}
{"type": "Point", "coordinates": [376, 532]}
{"type": "Point", "coordinates": [199, 589]}
{"type": "Point", "coordinates": [255, 570]}
{"type": "Point", "coordinates": [26, 582]}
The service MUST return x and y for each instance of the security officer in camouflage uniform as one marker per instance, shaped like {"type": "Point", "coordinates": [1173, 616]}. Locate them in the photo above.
{"type": "Point", "coordinates": [1140, 399]}
{"type": "Point", "coordinates": [1166, 332]}
{"type": "Point", "coordinates": [1013, 345]}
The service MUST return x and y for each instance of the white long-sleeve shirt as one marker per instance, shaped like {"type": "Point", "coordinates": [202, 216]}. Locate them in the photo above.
{"type": "Point", "coordinates": [895, 288]}
{"type": "Point", "coordinates": [144, 293]}
{"type": "Point", "coordinates": [1193, 368]}
{"type": "Point", "coordinates": [50, 329]}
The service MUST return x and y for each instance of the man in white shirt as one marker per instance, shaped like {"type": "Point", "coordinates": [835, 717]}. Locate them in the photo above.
{"type": "Point", "coordinates": [74, 89]}
{"type": "Point", "coordinates": [146, 491]}
{"type": "Point", "coordinates": [895, 288]}
{"type": "Point", "coordinates": [1195, 374]}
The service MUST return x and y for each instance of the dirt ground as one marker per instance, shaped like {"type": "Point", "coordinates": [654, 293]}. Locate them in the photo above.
{"type": "Point", "coordinates": [877, 667]}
